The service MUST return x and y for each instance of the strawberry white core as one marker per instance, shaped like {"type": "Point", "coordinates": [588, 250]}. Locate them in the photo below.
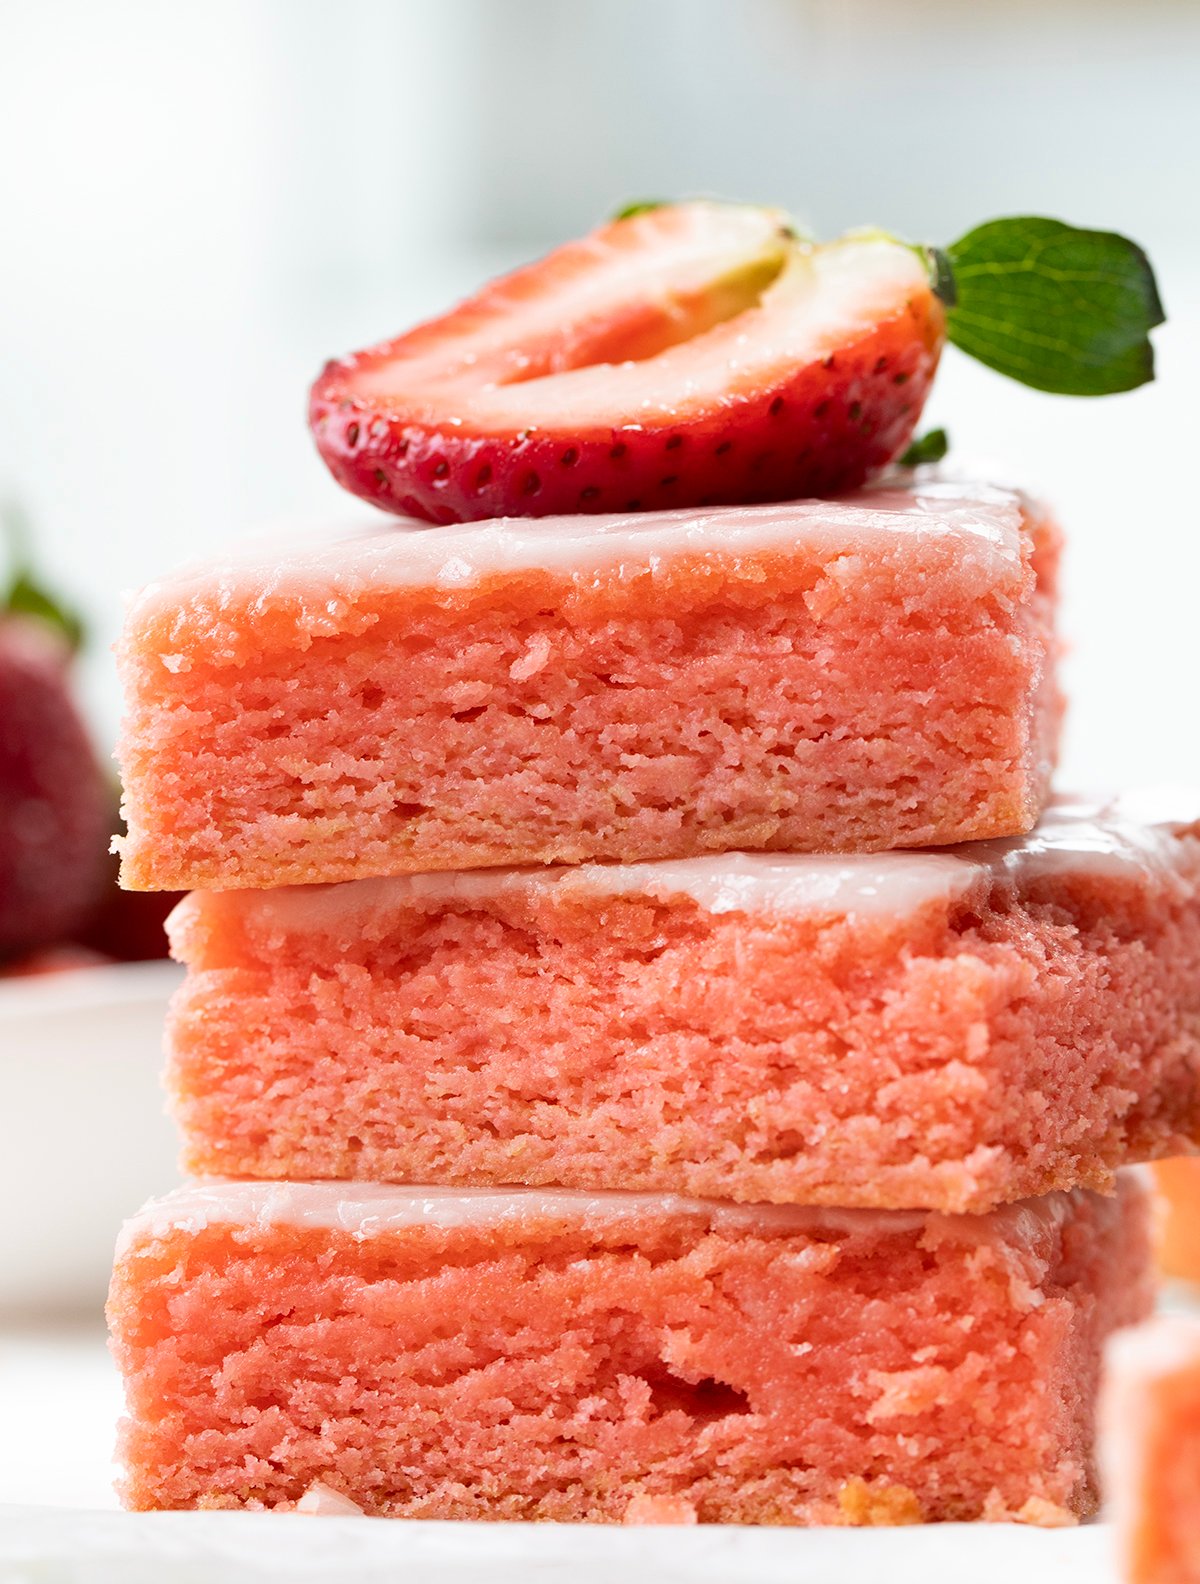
{"type": "Point", "coordinates": [646, 327]}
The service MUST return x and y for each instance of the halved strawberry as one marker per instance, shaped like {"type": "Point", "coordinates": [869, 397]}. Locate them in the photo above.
{"type": "Point", "coordinates": [696, 353]}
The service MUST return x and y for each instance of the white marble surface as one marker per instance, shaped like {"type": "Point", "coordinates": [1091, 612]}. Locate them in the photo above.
{"type": "Point", "coordinates": [264, 1548]}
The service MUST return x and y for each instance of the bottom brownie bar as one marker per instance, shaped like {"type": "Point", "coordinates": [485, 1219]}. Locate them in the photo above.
{"type": "Point", "coordinates": [437, 1353]}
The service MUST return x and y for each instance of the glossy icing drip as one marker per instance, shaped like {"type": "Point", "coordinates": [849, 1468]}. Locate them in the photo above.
{"type": "Point", "coordinates": [367, 1210]}
{"type": "Point", "coordinates": [1074, 837]}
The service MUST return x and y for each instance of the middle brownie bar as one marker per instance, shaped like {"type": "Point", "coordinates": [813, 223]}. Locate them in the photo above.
{"type": "Point", "coordinates": [948, 1030]}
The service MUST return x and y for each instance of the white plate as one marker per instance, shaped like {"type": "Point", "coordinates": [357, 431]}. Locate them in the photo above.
{"type": "Point", "coordinates": [284, 1548]}
{"type": "Point", "coordinates": [83, 1137]}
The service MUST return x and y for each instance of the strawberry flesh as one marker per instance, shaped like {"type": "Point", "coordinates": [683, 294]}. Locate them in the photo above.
{"type": "Point", "coordinates": [697, 354]}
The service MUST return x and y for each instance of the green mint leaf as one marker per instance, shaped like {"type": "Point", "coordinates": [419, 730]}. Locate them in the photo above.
{"type": "Point", "coordinates": [25, 596]}
{"type": "Point", "coordinates": [1057, 308]}
{"type": "Point", "coordinates": [641, 206]}
{"type": "Point", "coordinates": [930, 447]}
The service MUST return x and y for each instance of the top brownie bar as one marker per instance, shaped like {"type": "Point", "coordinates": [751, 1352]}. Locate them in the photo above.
{"type": "Point", "coordinates": [860, 674]}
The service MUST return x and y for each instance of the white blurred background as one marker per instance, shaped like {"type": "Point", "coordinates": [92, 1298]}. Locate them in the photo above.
{"type": "Point", "coordinates": [201, 200]}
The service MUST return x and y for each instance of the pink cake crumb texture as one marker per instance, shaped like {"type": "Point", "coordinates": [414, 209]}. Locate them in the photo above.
{"type": "Point", "coordinates": [947, 1030]}
{"type": "Point", "coordinates": [862, 674]}
{"type": "Point", "coordinates": [1150, 1449]}
{"type": "Point", "coordinates": [455, 1354]}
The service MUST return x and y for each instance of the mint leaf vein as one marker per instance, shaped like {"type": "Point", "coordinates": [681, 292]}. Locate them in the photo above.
{"type": "Point", "coordinates": [1056, 307]}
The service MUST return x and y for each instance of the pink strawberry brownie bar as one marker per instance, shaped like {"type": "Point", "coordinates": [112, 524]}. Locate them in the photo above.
{"type": "Point", "coordinates": [1150, 1449]}
{"type": "Point", "coordinates": [869, 673]}
{"type": "Point", "coordinates": [1177, 1217]}
{"type": "Point", "coordinates": [950, 1029]}
{"type": "Point", "coordinates": [441, 1353]}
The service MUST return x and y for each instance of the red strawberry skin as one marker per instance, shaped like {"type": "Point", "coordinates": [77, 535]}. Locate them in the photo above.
{"type": "Point", "coordinates": [785, 423]}
{"type": "Point", "coordinates": [55, 805]}
{"type": "Point", "coordinates": [823, 431]}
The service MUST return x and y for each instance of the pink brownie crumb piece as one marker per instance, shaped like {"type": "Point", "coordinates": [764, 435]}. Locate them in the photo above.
{"type": "Point", "coordinates": [950, 1030]}
{"type": "Point", "coordinates": [1150, 1423]}
{"type": "Point", "coordinates": [863, 674]}
{"type": "Point", "coordinates": [660, 1510]}
{"type": "Point", "coordinates": [454, 1354]}
{"type": "Point", "coordinates": [1177, 1217]}
{"type": "Point", "coordinates": [320, 1501]}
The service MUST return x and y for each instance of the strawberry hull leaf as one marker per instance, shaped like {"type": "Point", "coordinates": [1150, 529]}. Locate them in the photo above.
{"type": "Point", "coordinates": [1057, 308]}
{"type": "Point", "coordinates": [931, 447]}
{"type": "Point", "coordinates": [639, 206]}
{"type": "Point", "coordinates": [26, 598]}
{"type": "Point", "coordinates": [25, 595]}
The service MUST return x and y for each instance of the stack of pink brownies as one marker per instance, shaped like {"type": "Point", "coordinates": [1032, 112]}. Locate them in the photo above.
{"type": "Point", "coordinates": [650, 1050]}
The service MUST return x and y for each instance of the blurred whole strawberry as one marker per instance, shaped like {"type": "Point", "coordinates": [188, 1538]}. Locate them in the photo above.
{"type": "Point", "coordinates": [55, 803]}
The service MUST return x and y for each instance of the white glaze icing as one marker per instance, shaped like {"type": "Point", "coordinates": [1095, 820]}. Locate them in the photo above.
{"type": "Point", "coordinates": [366, 1210]}
{"type": "Point", "coordinates": [1134, 833]}
{"type": "Point", "coordinates": [817, 883]}
{"type": "Point", "coordinates": [337, 564]}
{"type": "Point", "coordinates": [1074, 836]}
